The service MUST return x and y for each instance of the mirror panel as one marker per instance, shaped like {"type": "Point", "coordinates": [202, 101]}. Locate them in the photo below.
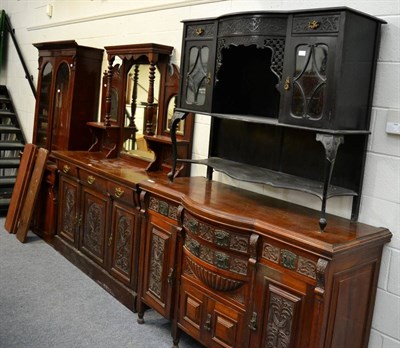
{"type": "Point", "coordinates": [44, 102]}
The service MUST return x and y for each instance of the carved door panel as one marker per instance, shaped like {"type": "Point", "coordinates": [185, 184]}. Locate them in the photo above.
{"type": "Point", "coordinates": [122, 242]}
{"type": "Point", "coordinates": [159, 264]}
{"type": "Point", "coordinates": [309, 82]}
{"type": "Point", "coordinates": [282, 309]}
{"type": "Point", "coordinates": [212, 323]}
{"type": "Point", "coordinates": [68, 216]}
{"type": "Point", "coordinates": [94, 221]}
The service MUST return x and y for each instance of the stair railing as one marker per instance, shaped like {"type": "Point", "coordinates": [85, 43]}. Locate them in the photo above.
{"type": "Point", "coordinates": [28, 76]}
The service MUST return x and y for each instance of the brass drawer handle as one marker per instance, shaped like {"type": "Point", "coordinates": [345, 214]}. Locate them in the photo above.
{"type": "Point", "coordinates": [286, 86]}
{"type": "Point", "coordinates": [313, 25]}
{"type": "Point", "coordinates": [199, 31]}
{"type": "Point", "coordinates": [91, 179]}
{"type": "Point", "coordinates": [119, 192]}
{"type": "Point", "coordinates": [66, 169]}
{"type": "Point", "coordinates": [207, 325]}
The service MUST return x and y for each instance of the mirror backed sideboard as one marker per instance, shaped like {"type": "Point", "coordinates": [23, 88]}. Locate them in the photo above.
{"type": "Point", "coordinates": [229, 267]}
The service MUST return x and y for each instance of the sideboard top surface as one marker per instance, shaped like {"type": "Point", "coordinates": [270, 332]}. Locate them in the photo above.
{"type": "Point", "coordinates": [236, 208]}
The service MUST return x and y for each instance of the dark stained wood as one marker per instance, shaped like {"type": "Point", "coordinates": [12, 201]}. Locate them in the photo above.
{"type": "Point", "coordinates": [31, 195]}
{"type": "Point", "coordinates": [20, 187]}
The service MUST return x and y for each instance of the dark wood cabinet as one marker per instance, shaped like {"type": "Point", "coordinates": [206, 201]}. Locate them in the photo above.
{"type": "Point", "coordinates": [98, 228]}
{"type": "Point", "coordinates": [67, 95]}
{"type": "Point", "coordinates": [277, 86]}
{"type": "Point", "coordinates": [67, 98]}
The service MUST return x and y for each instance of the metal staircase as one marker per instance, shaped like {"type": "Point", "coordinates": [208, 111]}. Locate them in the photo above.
{"type": "Point", "coordinates": [12, 142]}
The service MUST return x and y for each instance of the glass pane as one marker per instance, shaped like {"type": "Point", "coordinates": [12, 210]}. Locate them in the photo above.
{"type": "Point", "coordinates": [297, 101]}
{"type": "Point", "coordinates": [321, 59]}
{"type": "Point", "coordinates": [315, 103]}
{"type": "Point", "coordinates": [60, 114]}
{"type": "Point", "coordinates": [309, 80]}
{"type": "Point", "coordinates": [197, 75]}
{"type": "Point", "coordinates": [43, 112]}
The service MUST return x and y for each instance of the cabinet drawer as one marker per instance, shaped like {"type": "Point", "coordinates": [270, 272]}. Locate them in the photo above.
{"type": "Point", "coordinates": [67, 168]}
{"type": "Point", "coordinates": [121, 193]}
{"type": "Point", "coordinates": [93, 180]}
{"type": "Point", "coordinates": [200, 30]}
{"type": "Point", "coordinates": [253, 25]}
{"type": "Point", "coordinates": [163, 207]}
{"type": "Point", "coordinates": [289, 258]}
{"type": "Point", "coordinates": [328, 23]}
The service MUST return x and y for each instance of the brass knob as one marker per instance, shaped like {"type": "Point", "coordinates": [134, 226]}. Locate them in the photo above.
{"type": "Point", "coordinates": [199, 31]}
{"type": "Point", "coordinates": [91, 179]}
{"type": "Point", "coordinates": [208, 78]}
{"type": "Point", "coordinates": [286, 86]}
{"type": "Point", "coordinates": [119, 192]}
{"type": "Point", "coordinates": [110, 239]}
{"type": "Point", "coordinates": [66, 169]}
{"type": "Point", "coordinates": [313, 24]}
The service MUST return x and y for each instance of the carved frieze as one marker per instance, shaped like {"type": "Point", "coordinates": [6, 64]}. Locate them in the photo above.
{"type": "Point", "coordinates": [217, 236]}
{"type": "Point", "coordinates": [253, 26]}
{"type": "Point", "coordinates": [289, 260]}
{"type": "Point", "coordinates": [163, 208]}
{"type": "Point", "coordinates": [215, 257]}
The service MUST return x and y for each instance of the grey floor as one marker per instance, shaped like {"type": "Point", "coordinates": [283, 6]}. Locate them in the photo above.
{"type": "Point", "coordinates": [47, 302]}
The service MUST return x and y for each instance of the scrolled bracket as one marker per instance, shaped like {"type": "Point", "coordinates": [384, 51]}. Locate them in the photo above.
{"type": "Point", "coordinates": [176, 118]}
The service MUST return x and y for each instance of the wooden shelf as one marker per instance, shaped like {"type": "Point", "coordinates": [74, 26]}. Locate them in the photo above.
{"type": "Point", "coordinates": [272, 178]}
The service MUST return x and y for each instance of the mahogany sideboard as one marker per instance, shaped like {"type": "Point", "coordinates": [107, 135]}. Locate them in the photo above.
{"type": "Point", "coordinates": [229, 267]}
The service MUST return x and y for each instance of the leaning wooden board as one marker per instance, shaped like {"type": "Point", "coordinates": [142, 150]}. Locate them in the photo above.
{"type": "Point", "coordinates": [20, 187]}
{"type": "Point", "coordinates": [32, 194]}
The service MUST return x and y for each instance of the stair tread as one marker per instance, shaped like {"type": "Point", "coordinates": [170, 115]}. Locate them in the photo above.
{"type": "Point", "coordinates": [7, 181]}
{"type": "Point", "coordinates": [5, 201]}
{"type": "Point", "coordinates": [9, 128]}
{"type": "Point", "coordinates": [11, 144]}
{"type": "Point", "coordinates": [9, 162]}
{"type": "Point", "coordinates": [7, 113]}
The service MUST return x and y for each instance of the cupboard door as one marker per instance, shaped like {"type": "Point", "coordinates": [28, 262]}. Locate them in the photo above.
{"type": "Point", "coordinates": [121, 242]}
{"type": "Point", "coordinates": [159, 265]}
{"type": "Point", "coordinates": [283, 308]}
{"type": "Point", "coordinates": [309, 79]}
{"type": "Point", "coordinates": [93, 234]}
{"type": "Point", "coordinates": [68, 213]}
{"type": "Point", "coordinates": [41, 130]}
{"type": "Point", "coordinates": [212, 323]}
{"type": "Point", "coordinates": [61, 109]}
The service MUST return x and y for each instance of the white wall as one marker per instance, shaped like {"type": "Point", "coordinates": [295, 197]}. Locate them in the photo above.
{"type": "Point", "coordinates": [100, 23]}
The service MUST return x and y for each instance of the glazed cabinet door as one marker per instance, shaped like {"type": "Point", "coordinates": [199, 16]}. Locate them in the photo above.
{"type": "Point", "coordinates": [159, 264]}
{"type": "Point", "coordinates": [94, 207]}
{"type": "Point", "coordinates": [309, 81]}
{"type": "Point", "coordinates": [198, 67]}
{"type": "Point", "coordinates": [122, 242]}
{"type": "Point", "coordinates": [41, 134]}
{"type": "Point", "coordinates": [68, 211]}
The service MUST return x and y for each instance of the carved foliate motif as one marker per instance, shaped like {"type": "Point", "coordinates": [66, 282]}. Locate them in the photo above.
{"type": "Point", "coordinates": [70, 208]}
{"type": "Point", "coordinates": [253, 26]}
{"type": "Point", "coordinates": [123, 237]}
{"type": "Point", "coordinates": [216, 258]}
{"type": "Point", "coordinates": [307, 267]}
{"type": "Point", "coordinates": [217, 236]}
{"type": "Point", "coordinates": [280, 321]}
{"type": "Point", "coordinates": [288, 259]}
{"type": "Point", "coordinates": [94, 226]}
{"type": "Point", "coordinates": [163, 208]}
{"type": "Point", "coordinates": [270, 252]}
{"type": "Point", "coordinates": [156, 265]}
